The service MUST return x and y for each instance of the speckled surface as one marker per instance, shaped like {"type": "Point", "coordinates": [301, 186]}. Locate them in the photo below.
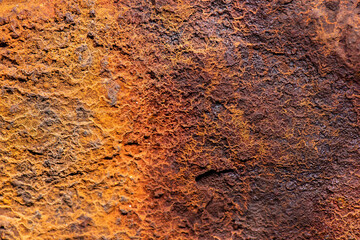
{"type": "Point", "coordinates": [179, 119]}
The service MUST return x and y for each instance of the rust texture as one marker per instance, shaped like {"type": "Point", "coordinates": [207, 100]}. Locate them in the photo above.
{"type": "Point", "coordinates": [179, 119]}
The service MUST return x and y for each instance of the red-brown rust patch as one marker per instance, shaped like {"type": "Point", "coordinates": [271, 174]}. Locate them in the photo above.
{"type": "Point", "coordinates": [180, 120]}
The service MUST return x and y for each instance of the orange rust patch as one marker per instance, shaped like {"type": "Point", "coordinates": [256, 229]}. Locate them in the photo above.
{"type": "Point", "coordinates": [179, 120]}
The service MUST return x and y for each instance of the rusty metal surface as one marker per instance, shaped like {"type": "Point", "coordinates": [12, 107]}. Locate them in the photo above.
{"type": "Point", "coordinates": [179, 119]}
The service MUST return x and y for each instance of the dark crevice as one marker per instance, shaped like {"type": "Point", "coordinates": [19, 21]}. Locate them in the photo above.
{"type": "Point", "coordinates": [212, 173]}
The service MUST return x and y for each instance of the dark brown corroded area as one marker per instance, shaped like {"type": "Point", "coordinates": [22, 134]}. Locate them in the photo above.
{"type": "Point", "coordinates": [161, 119]}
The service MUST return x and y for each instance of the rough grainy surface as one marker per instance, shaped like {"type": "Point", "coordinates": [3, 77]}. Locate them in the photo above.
{"type": "Point", "coordinates": [170, 119]}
